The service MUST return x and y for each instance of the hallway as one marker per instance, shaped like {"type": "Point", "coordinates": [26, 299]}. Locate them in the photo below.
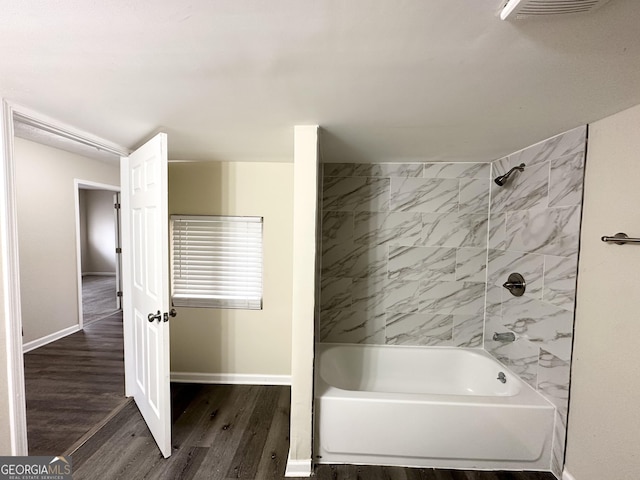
{"type": "Point", "coordinates": [72, 385]}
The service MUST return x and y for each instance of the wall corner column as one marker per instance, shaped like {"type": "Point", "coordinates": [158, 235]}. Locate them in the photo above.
{"type": "Point", "coordinates": [305, 205]}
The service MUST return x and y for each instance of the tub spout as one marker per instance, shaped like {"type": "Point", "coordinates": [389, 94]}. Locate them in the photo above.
{"type": "Point", "coordinates": [504, 337]}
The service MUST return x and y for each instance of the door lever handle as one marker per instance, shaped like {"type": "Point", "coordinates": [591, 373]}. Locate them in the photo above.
{"type": "Point", "coordinates": [151, 317]}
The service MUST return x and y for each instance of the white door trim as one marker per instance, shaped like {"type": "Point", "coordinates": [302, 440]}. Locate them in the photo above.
{"type": "Point", "coordinates": [78, 185]}
{"type": "Point", "coordinates": [10, 260]}
{"type": "Point", "coordinates": [11, 290]}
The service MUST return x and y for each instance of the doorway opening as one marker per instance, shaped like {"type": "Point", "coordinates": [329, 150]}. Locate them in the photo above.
{"type": "Point", "coordinates": [143, 176]}
{"type": "Point", "coordinates": [68, 376]}
{"type": "Point", "coordinates": [99, 251]}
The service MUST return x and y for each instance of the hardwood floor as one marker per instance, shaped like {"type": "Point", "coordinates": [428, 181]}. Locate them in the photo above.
{"type": "Point", "coordinates": [225, 432]}
{"type": "Point", "coordinates": [98, 297]}
{"type": "Point", "coordinates": [72, 385]}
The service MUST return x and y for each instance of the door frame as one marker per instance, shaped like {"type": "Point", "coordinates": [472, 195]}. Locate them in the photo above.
{"type": "Point", "coordinates": [78, 185]}
{"type": "Point", "coordinates": [9, 258]}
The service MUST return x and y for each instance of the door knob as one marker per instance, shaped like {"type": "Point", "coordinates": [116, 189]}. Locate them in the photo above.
{"type": "Point", "coordinates": [172, 313]}
{"type": "Point", "coordinates": [151, 317]}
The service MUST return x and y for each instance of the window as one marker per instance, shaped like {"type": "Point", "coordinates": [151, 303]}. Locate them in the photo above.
{"type": "Point", "coordinates": [216, 261]}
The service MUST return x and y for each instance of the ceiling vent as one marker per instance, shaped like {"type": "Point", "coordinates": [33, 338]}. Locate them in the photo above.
{"type": "Point", "coordinates": [540, 8]}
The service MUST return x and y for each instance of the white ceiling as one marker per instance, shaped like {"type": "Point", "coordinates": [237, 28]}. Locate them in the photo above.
{"type": "Point", "coordinates": [388, 80]}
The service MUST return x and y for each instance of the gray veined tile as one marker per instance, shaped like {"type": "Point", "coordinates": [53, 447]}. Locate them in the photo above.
{"type": "Point", "coordinates": [493, 300]}
{"type": "Point", "coordinates": [402, 296]}
{"type": "Point", "coordinates": [337, 169]}
{"type": "Point", "coordinates": [398, 228]}
{"type": "Point", "coordinates": [530, 266]}
{"type": "Point", "coordinates": [561, 145]}
{"type": "Point", "coordinates": [452, 298]}
{"type": "Point", "coordinates": [423, 195]}
{"type": "Point", "coordinates": [454, 230]}
{"type": "Point", "coordinates": [355, 194]}
{"type": "Point", "coordinates": [471, 264]}
{"type": "Point", "coordinates": [523, 360]}
{"type": "Point", "coordinates": [497, 230]}
{"type": "Point", "coordinates": [419, 329]}
{"type": "Point", "coordinates": [369, 294]}
{"type": "Point", "coordinates": [456, 170]}
{"type": "Point", "coordinates": [347, 326]}
{"type": "Point", "coordinates": [552, 231]}
{"type": "Point", "coordinates": [523, 191]}
{"type": "Point", "coordinates": [499, 167]}
{"type": "Point", "coordinates": [493, 324]}
{"type": "Point", "coordinates": [468, 331]}
{"type": "Point", "coordinates": [565, 180]}
{"type": "Point", "coordinates": [474, 196]}
{"type": "Point", "coordinates": [387, 170]}
{"type": "Point", "coordinates": [546, 325]}
{"type": "Point", "coordinates": [560, 281]}
{"type": "Point", "coordinates": [422, 263]}
{"type": "Point", "coordinates": [521, 356]}
{"type": "Point", "coordinates": [366, 261]}
{"type": "Point", "coordinates": [553, 379]}
{"type": "Point", "coordinates": [335, 293]}
{"type": "Point", "coordinates": [337, 227]}
{"type": "Point", "coordinates": [338, 260]}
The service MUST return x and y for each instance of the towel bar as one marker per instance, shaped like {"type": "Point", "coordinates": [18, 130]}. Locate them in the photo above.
{"type": "Point", "coordinates": [620, 239]}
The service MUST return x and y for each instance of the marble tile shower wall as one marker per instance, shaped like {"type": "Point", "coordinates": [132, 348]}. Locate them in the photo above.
{"type": "Point", "coordinates": [534, 229]}
{"type": "Point", "coordinates": [404, 249]}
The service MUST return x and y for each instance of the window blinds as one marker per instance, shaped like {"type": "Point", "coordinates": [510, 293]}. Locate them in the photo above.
{"type": "Point", "coordinates": [216, 261]}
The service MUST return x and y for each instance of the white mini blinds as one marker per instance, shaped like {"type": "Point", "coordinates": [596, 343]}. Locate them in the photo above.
{"type": "Point", "coordinates": [216, 261]}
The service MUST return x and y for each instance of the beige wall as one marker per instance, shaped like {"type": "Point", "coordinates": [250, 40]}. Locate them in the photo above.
{"type": "Point", "coordinates": [46, 233]}
{"type": "Point", "coordinates": [255, 342]}
{"type": "Point", "coordinates": [604, 424]}
{"type": "Point", "coordinates": [99, 247]}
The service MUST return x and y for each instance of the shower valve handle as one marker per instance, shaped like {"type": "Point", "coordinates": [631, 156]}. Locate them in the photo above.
{"type": "Point", "coordinates": [515, 284]}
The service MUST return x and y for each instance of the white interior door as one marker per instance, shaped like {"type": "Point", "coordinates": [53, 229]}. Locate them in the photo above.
{"type": "Point", "coordinates": [145, 256]}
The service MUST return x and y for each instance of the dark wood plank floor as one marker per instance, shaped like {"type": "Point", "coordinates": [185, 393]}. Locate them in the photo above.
{"type": "Point", "coordinates": [227, 432]}
{"type": "Point", "coordinates": [72, 385]}
{"type": "Point", "coordinates": [98, 297]}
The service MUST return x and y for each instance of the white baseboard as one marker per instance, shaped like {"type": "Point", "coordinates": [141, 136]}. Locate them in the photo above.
{"type": "Point", "coordinates": [298, 468]}
{"type": "Point", "coordinates": [52, 337]}
{"type": "Point", "coordinates": [567, 476]}
{"type": "Point", "coordinates": [230, 378]}
{"type": "Point", "coordinates": [99, 274]}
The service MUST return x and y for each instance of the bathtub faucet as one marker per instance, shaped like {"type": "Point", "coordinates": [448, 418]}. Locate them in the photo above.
{"type": "Point", "coordinates": [504, 337]}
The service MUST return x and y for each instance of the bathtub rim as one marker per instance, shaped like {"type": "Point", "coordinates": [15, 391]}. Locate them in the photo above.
{"type": "Point", "coordinates": [526, 397]}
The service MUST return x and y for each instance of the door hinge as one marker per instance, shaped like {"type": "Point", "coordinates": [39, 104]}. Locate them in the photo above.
{"type": "Point", "coordinates": [116, 206]}
{"type": "Point", "coordinates": [119, 294]}
{"type": "Point", "coordinates": [118, 250]}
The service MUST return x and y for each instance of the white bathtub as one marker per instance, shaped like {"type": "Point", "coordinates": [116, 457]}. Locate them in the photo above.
{"type": "Point", "coordinates": [426, 407]}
